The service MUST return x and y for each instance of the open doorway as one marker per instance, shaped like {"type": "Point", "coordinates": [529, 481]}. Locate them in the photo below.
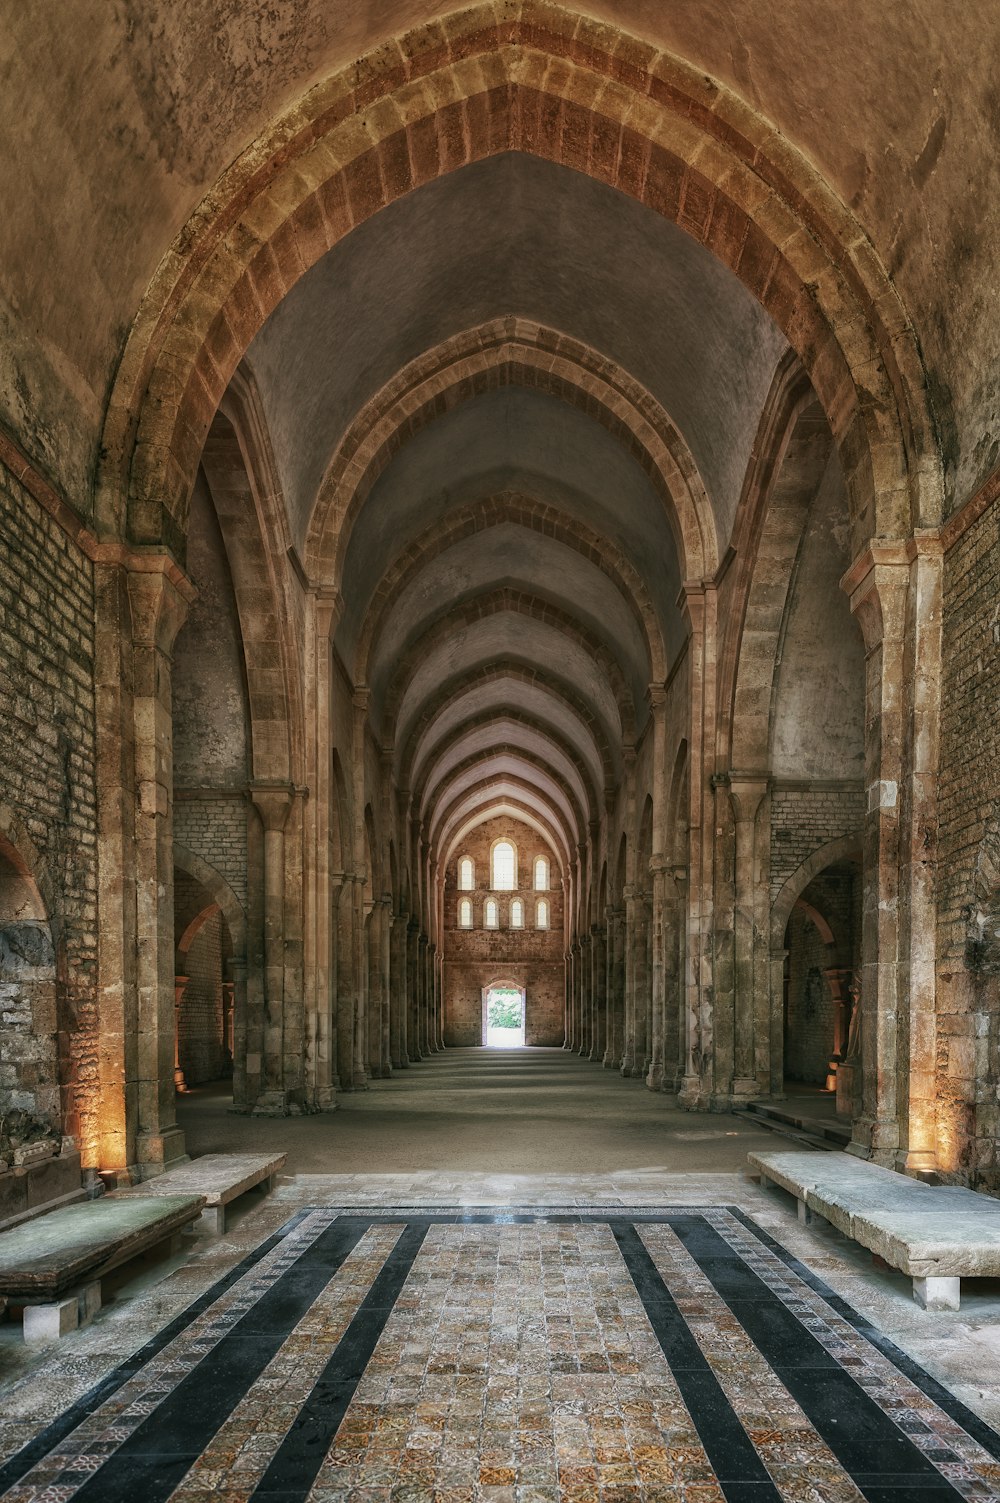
{"type": "Point", "coordinates": [503, 1016]}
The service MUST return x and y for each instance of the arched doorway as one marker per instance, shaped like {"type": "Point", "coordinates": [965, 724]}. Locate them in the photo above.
{"type": "Point", "coordinates": [822, 957]}
{"type": "Point", "coordinates": [503, 1015]}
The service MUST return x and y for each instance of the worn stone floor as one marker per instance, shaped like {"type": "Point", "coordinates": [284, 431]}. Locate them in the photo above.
{"type": "Point", "coordinates": [661, 1330]}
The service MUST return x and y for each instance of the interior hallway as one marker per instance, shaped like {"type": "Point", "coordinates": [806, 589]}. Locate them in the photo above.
{"type": "Point", "coordinates": [486, 1111]}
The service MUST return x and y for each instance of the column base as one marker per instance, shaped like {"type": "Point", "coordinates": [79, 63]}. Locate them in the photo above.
{"type": "Point", "coordinates": [745, 1088]}
{"type": "Point", "coordinates": [156, 1152]}
{"type": "Point", "coordinates": [654, 1078]}
{"type": "Point", "coordinates": [689, 1093]}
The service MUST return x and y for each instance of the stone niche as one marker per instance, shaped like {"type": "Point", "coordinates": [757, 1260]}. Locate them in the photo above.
{"type": "Point", "coordinates": [38, 1167]}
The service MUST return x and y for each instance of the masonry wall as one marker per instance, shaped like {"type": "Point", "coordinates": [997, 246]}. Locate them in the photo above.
{"type": "Point", "coordinates": [529, 958]}
{"type": "Point", "coordinates": [210, 715]}
{"type": "Point", "coordinates": [47, 763]}
{"type": "Point", "coordinates": [805, 818]}
{"type": "Point", "coordinates": [968, 868]}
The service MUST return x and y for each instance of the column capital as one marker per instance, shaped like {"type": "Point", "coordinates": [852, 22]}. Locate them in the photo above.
{"type": "Point", "coordinates": [158, 605]}
{"type": "Point", "coordinates": [877, 584]}
{"type": "Point", "coordinates": [329, 609]}
{"type": "Point", "coordinates": [272, 801]}
{"type": "Point", "coordinates": [746, 790]}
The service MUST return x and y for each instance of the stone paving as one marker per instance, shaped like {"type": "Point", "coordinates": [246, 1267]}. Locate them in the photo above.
{"type": "Point", "coordinates": [581, 1342]}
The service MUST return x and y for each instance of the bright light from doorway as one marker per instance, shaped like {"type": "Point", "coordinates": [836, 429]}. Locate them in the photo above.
{"type": "Point", "coordinates": [504, 1018]}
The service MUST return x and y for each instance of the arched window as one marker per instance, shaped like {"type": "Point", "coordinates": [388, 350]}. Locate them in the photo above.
{"type": "Point", "coordinates": [504, 878]}
{"type": "Point", "coordinates": [541, 874]}
{"type": "Point", "coordinates": [541, 914]}
{"type": "Point", "coordinates": [491, 915]}
{"type": "Point", "coordinates": [466, 874]}
{"type": "Point", "coordinates": [517, 914]}
{"type": "Point", "coordinates": [465, 914]}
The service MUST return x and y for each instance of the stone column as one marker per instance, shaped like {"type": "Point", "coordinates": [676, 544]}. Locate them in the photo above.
{"type": "Point", "coordinates": [658, 872]}
{"type": "Point", "coordinates": [412, 990]}
{"type": "Point", "coordinates": [599, 972]}
{"type": "Point", "coordinates": [692, 1065]}
{"type": "Point", "coordinates": [698, 897]}
{"type": "Point", "coordinates": [613, 1029]}
{"type": "Point", "coordinates": [180, 987]}
{"type": "Point", "coordinates": [586, 996]}
{"type": "Point", "coordinates": [630, 954]}
{"type": "Point", "coordinates": [673, 981]}
{"type": "Point", "coordinates": [895, 592]}
{"type": "Point", "coordinates": [236, 965]}
{"type": "Point", "coordinates": [341, 980]}
{"type": "Point", "coordinates": [158, 606]}
{"type": "Point", "coordinates": [751, 989]}
{"type": "Point", "coordinates": [423, 1001]}
{"type": "Point", "coordinates": [398, 1057]}
{"type": "Point", "coordinates": [324, 608]}
{"type": "Point", "coordinates": [273, 802]}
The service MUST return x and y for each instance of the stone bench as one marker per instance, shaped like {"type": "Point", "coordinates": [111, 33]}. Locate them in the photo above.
{"type": "Point", "coordinates": [935, 1234]}
{"type": "Point", "coordinates": [219, 1178]}
{"type": "Point", "coordinates": [53, 1265]}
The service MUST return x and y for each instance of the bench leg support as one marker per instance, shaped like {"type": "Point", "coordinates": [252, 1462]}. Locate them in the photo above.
{"type": "Point", "coordinates": [50, 1322]}
{"type": "Point", "coordinates": [937, 1293]}
{"type": "Point", "coordinates": [809, 1217]}
{"type": "Point", "coordinates": [211, 1222]}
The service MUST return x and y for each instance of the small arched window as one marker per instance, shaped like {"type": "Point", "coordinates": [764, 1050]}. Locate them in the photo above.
{"type": "Point", "coordinates": [465, 914]}
{"type": "Point", "coordinates": [541, 914]}
{"type": "Point", "coordinates": [541, 874]}
{"type": "Point", "coordinates": [517, 914]}
{"type": "Point", "coordinates": [491, 916]}
{"type": "Point", "coordinates": [504, 877]}
{"type": "Point", "coordinates": [466, 874]}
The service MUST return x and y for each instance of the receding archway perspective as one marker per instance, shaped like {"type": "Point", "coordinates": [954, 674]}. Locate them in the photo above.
{"type": "Point", "coordinates": [499, 655]}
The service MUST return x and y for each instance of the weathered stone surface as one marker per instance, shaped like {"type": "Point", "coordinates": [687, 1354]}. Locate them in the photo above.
{"type": "Point", "coordinates": [217, 1177]}
{"type": "Point", "coordinates": [43, 1259]}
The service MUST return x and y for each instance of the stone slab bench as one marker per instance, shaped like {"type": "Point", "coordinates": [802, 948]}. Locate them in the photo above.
{"type": "Point", "coordinates": [220, 1178]}
{"type": "Point", "coordinates": [935, 1234]}
{"type": "Point", "coordinates": [53, 1265]}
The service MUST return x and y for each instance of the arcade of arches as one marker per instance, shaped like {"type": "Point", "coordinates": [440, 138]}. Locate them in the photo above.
{"type": "Point", "coordinates": [500, 424]}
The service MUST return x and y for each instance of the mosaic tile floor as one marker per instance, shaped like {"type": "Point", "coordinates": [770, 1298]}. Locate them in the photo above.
{"type": "Point", "coordinates": [517, 1356]}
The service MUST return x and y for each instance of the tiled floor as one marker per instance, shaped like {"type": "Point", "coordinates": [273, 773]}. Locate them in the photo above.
{"type": "Point", "coordinates": [597, 1351]}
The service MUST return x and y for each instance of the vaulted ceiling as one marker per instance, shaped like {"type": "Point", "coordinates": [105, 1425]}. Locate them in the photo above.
{"type": "Point", "coordinates": [510, 561]}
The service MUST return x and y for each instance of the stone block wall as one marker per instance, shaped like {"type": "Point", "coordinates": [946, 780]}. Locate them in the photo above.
{"type": "Point", "coordinates": [47, 763]}
{"type": "Point", "coordinates": [968, 870]}
{"type": "Point", "coordinates": [214, 827]}
{"type": "Point", "coordinates": [529, 958]}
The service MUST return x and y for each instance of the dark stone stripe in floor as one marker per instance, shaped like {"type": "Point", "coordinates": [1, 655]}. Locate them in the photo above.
{"type": "Point", "coordinates": [152, 1461]}
{"type": "Point", "coordinates": [293, 1468]}
{"type": "Point", "coordinates": [971, 1422]}
{"type": "Point", "coordinates": [726, 1443]}
{"type": "Point", "coordinates": [40, 1446]}
{"type": "Point", "coordinates": [884, 1463]}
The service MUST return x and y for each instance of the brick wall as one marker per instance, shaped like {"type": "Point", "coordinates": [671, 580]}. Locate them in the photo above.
{"type": "Point", "coordinates": [804, 819]}
{"type": "Point", "coordinates": [968, 993]}
{"type": "Point", "coordinates": [47, 772]}
{"type": "Point", "coordinates": [214, 827]}
{"type": "Point", "coordinates": [474, 959]}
